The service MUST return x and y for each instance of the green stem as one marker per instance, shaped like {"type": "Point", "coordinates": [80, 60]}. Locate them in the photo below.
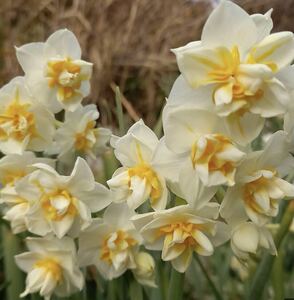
{"type": "Point", "coordinates": [111, 290]}
{"type": "Point", "coordinates": [263, 271]}
{"type": "Point", "coordinates": [277, 276]}
{"type": "Point", "coordinates": [175, 289]}
{"type": "Point", "coordinates": [11, 247]}
{"type": "Point", "coordinates": [119, 111]}
{"type": "Point", "coordinates": [214, 289]}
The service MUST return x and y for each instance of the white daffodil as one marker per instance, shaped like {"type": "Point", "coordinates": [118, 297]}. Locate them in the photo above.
{"type": "Point", "coordinates": [232, 70]}
{"type": "Point", "coordinates": [247, 237]}
{"type": "Point", "coordinates": [201, 142]}
{"type": "Point", "coordinates": [145, 269]}
{"type": "Point", "coordinates": [180, 231]}
{"type": "Point", "coordinates": [25, 124]}
{"type": "Point", "coordinates": [259, 184]}
{"type": "Point", "coordinates": [61, 204]}
{"type": "Point", "coordinates": [51, 265]}
{"type": "Point", "coordinates": [138, 179]}
{"type": "Point", "coordinates": [110, 243]}
{"type": "Point", "coordinates": [13, 167]}
{"type": "Point", "coordinates": [55, 72]}
{"type": "Point", "coordinates": [78, 133]}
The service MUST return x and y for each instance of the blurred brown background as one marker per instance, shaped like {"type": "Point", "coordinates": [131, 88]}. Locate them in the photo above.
{"type": "Point", "coordinates": [127, 40]}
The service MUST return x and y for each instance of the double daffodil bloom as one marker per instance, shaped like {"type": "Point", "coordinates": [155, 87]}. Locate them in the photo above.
{"type": "Point", "coordinates": [25, 124]}
{"type": "Point", "coordinates": [62, 204]}
{"type": "Point", "coordinates": [180, 231]}
{"type": "Point", "coordinates": [79, 134]}
{"type": "Point", "coordinates": [51, 265]}
{"type": "Point", "coordinates": [110, 243]}
{"type": "Point", "coordinates": [259, 184]}
{"type": "Point", "coordinates": [13, 167]}
{"type": "Point", "coordinates": [55, 72]}
{"type": "Point", "coordinates": [200, 140]}
{"type": "Point", "coordinates": [233, 69]}
{"type": "Point", "coordinates": [138, 179]}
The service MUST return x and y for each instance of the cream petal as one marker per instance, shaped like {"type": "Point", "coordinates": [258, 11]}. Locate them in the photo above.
{"type": "Point", "coordinates": [183, 94]}
{"type": "Point", "coordinates": [140, 191]}
{"type": "Point", "coordinates": [264, 24]}
{"type": "Point", "coordinates": [48, 286]}
{"type": "Point", "coordinates": [26, 261]}
{"type": "Point", "coordinates": [229, 25]}
{"type": "Point", "coordinates": [118, 215]}
{"type": "Point", "coordinates": [60, 228]}
{"type": "Point", "coordinates": [173, 252]}
{"type": "Point", "coordinates": [224, 94]}
{"type": "Point", "coordinates": [244, 129]}
{"type": "Point", "coordinates": [246, 237]}
{"type": "Point", "coordinates": [63, 43]}
{"type": "Point", "coordinates": [182, 262]}
{"type": "Point", "coordinates": [30, 56]}
{"type": "Point", "coordinates": [276, 48]}
{"type": "Point", "coordinates": [81, 177]}
{"type": "Point", "coordinates": [204, 246]}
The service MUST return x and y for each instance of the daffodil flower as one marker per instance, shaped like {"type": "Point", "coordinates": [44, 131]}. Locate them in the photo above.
{"type": "Point", "coordinates": [110, 243]}
{"type": "Point", "coordinates": [51, 265]}
{"type": "Point", "coordinates": [14, 167]}
{"type": "Point", "coordinates": [79, 134]}
{"type": "Point", "coordinates": [55, 72]}
{"type": "Point", "coordinates": [180, 231]}
{"type": "Point", "coordinates": [62, 204]}
{"type": "Point", "coordinates": [233, 69]}
{"type": "Point", "coordinates": [25, 124]}
{"type": "Point", "coordinates": [138, 179]}
{"type": "Point", "coordinates": [259, 184]}
{"type": "Point", "coordinates": [201, 142]}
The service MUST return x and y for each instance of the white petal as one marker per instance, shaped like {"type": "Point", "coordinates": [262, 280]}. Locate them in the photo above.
{"type": "Point", "coordinates": [64, 43]}
{"type": "Point", "coordinates": [229, 25]}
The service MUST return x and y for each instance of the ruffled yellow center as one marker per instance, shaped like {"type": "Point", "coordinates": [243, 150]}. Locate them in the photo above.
{"type": "Point", "coordinates": [51, 266]}
{"type": "Point", "coordinates": [144, 171]}
{"type": "Point", "coordinates": [253, 58]}
{"type": "Point", "coordinates": [259, 188]}
{"type": "Point", "coordinates": [65, 75]}
{"type": "Point", "coordinates": [180, 232]}
{"type": "Point", "coordinates": [10, 177]}
{"type": "Point", "coordinates": [116, 243]}
{"type": "Point", "coordinates": [208, 154]}
{"type": "Point", "coordinates": [59, 204]}
{"type": "Point", "coordinates": [85, 140]}
{"type": "Point", "coordinates": [17, 121]}
{"type": "Point", "coordinates": [226, 74]}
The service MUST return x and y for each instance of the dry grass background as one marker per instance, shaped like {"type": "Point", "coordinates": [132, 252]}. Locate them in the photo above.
{"type": "Point", "coordinates": [127, 40]}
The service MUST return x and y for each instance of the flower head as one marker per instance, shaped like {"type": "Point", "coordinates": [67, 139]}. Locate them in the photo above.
{"type": "Point", "coordinates": [203, 145]}
{"type": "Point", "coordinates": [25, 124]}
{"type": "Point", "coordinates": [180, 231]}
{"type": "Point", "coordinates": [51, 265]}
{"type": "Point", "coordinates": [259, 184]}
{"type": "Point", "coordinates": [13, 167]}
{"type": "Point", "coordinates": [110, 243]}
{"type": "Point", "coordinates": [62, 204]}
{"type": "Point", "coordinates": [78, 133]}
{"type": "Point", "coordinates": [233, 70]}
{"type": "Point", "coordinates": [138, 179]}
{"type": "Point", "coordinates": [55, 72]}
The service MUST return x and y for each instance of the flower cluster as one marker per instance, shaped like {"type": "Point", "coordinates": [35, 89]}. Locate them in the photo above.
{"type": "Point", "coordinates": [195, 188]}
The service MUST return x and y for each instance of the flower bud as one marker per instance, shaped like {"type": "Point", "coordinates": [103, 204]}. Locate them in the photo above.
{"type": "Point", "coordinates": [144, 271]}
